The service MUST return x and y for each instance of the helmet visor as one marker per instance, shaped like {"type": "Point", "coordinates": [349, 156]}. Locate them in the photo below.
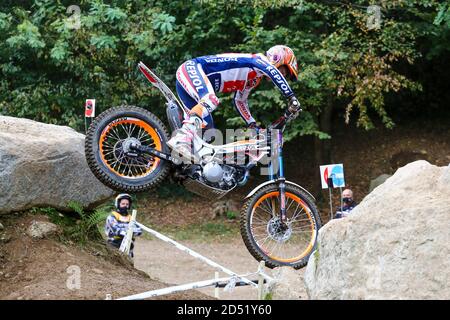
{"type": "Point", "coordinates": [293, 69]}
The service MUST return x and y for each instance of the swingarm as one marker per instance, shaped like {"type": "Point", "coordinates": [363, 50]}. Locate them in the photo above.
{"type": "Point", "coordinates": [153, 152]}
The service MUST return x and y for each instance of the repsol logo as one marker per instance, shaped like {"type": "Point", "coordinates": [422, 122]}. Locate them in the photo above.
{"type": "Point", "coordinates": [217, 84]}
{"type": "Point", "coordinates": [243, 110]}
{"type": "Point", "coordinates": [193, 75]}
{"type": "Point", "coordinates": [214, 60]}
{"type": "Point", "coordinates": [279, 79]}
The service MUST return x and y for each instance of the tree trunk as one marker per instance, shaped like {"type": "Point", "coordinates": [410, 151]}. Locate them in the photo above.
{"type": "Point", "coordinates": [322, 148]}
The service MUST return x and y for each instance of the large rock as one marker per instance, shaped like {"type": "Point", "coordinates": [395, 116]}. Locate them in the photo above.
{"type": "Point", "coordinates": [44, 165]}
{"type": "Point", "coordinates": [288, 284]}
{"type": "Point", "coordinates": [41, 229]}
{"type": "Point", "coordinates": [395, 245]}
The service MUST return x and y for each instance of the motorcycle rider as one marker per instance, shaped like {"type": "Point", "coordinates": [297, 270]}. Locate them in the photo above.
{"type": "Point", "coordinates": [200, 78]}
{"type": "Point", "coordinates": [118, 221]}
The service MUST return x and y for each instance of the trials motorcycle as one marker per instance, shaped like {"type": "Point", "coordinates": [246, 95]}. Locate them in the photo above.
{"type": "Point", "coordinates": [126, 149]}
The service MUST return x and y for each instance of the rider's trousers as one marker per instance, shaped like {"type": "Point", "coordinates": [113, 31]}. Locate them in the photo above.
{"type": "Point", "coordinates": [196, 92]}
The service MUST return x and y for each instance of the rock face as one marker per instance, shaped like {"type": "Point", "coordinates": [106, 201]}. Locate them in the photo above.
{"type": "Point", "coordinates": [394, 245]}
{"type": "Point", "coordinates": [44, 165]}
{"type": "Point", "coordinates": [289, 284]}
{"type": "Point", "coordinates": [41, 229]}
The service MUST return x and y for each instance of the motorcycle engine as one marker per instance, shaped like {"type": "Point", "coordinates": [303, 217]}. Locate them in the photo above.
{"type": "Point", "coordinates": [213, 172]}
{"type": "Point", "coordinates": [211, 180]}
{"type": "Point", "coordinates": [219, 175]}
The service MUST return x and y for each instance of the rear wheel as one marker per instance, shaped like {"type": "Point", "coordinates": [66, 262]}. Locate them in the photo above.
{"type": "Point", "coordinates": [108, 153]}
{"type": "Point", "coordinates": [277, 243]}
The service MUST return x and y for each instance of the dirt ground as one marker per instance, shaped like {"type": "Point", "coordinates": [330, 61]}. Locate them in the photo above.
{"type": "Point", "coordinates": [42, 269]}
{"type": "Point", "coordinates": [34, 269]}
{"type": "Point", "coordinates": [167, 264]}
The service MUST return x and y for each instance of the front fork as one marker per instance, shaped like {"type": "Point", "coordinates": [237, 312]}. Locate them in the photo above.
{"type": "Point", "coordinates": [280, 176]}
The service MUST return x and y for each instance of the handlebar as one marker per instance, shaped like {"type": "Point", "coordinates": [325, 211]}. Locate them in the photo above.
{"type": "Point", "coordinates": [290, 114]}
{"type": "Point", "coordinates": [280, 123]}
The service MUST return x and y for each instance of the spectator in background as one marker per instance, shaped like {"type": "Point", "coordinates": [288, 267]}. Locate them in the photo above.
{"type": "Point", "coordinates": [118, 221]}
{"type": "Point", "coordinates": [347, 207]}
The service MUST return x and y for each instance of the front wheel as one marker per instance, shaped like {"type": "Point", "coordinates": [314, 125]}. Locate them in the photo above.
{"type": "Point", "coordinates": [280, 244]}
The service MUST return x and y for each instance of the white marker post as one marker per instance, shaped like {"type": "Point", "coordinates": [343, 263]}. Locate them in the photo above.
{"type": "Point", "coordinates": [332, 176]}
{"type": "Point", "coordinates": [126, 241]}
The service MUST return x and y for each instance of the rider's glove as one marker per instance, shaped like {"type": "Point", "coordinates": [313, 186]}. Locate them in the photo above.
{"type": "Point", "coordinates": [293, 108]}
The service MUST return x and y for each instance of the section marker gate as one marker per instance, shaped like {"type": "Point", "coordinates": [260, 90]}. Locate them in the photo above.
{"type": "Point", "coordinates": [228, 283]}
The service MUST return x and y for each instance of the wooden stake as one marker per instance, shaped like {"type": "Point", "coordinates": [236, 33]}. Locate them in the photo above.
{"type": "Point", "coordinates": [260, 281]}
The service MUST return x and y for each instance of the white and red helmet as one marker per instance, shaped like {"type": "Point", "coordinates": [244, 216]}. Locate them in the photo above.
{"type": "Point", "coordinates": [283, 55]}
{"type": "Point", "coordinates": [120, 197]}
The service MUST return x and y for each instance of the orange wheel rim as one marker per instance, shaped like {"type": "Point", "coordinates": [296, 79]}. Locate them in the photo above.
{"type": "Point", "coordinates": [302, 227]}
{"type": "Point", "coordinates": [120, 132]}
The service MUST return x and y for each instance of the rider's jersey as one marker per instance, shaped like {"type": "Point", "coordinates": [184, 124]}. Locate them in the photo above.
{"type": "Point", "coordinates": [116, 226]}
{"type": "Point", "coordinates": [230, 72]}
{"type": "Point", "coordinates": [239, 73]}
{"type": "Point", "coordinates": [345, 210]}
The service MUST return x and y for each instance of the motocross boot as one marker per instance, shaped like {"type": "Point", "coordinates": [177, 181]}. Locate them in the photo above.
{"type": "Point", "coordinates": [183, 142]}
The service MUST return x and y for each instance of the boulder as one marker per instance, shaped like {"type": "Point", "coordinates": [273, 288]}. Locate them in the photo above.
{"type": "Point", "coordinates": [41, 229]}
{"type": "Point", "coordinates": [395, 245]}
{"type": "Point", "coordinates": [43, 165]}
{"type": "Point", "coordinates": [288, 284]}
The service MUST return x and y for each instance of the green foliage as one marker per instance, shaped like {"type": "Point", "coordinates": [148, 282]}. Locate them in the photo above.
{"type": "Point", "coordinates": [231, 215]}
{"type": "Point", "coordinates": [163, 22]}
{"type": "Point", "coordinates": [53, 214]}
{"type": "Point", "coordinates": [443, 16]}
{"type": "Point", "coordinates": [268, 296]}
{"type": "Point", "coordinates": [80, 228]}
{"type": "Point", "coordinates": [167, 190]}
{"type": "Point", "coordinates": [48, 67]}
{"type": "Point", "coordinates": [87, 228]}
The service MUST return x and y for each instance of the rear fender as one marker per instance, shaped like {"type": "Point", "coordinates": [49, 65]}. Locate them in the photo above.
{"type": "Point", "coordinates": [158, 83]}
